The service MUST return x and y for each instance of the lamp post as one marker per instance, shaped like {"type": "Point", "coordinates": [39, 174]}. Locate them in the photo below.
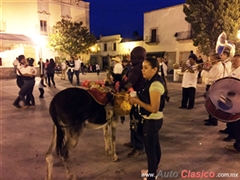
{"type": "Point", "coordinates": [40, 43]}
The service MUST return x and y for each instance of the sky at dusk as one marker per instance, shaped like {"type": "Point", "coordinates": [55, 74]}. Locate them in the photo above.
{"type": "Point", "coordinates": [110, 17]}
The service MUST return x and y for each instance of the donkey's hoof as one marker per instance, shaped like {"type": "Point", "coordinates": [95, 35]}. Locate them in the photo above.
{"type": "Point", "coordinates": [115, 158]}
{"type": "Point", "coordinates": [107, 152]}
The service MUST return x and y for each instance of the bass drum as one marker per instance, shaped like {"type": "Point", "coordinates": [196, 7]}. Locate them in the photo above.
{"type": "Point", "coordinates": [223, 100]}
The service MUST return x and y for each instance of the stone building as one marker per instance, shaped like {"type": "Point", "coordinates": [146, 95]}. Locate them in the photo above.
{"type": "Point", "coordinates": [25, 25]}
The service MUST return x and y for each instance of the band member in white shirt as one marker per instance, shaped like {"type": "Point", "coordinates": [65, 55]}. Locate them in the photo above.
{"type": "Point", "coordinates": [189, 84]}
{"type": "Point", "coordinates": [227, 64]}
{"type": "Point", "coordinates": [215, 73]}
{"type": "Point", "coordinates": [236, 125]}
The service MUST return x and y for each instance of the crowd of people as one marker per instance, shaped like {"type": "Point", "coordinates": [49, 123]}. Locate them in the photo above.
{"type": "Point", "coordinates": [146, 76]}
{"type": "Point", "coordinates": [221, 65]}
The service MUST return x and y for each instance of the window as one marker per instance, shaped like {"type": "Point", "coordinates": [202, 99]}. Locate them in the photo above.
{"type": "Point", "coordinates": [105, 47]}
{"type": "Point", "coordinates": [114, 46]}
{"type": "Point", "coordinates": [153, 35]}
{"type": "Point", "coordinates": [43, 26]}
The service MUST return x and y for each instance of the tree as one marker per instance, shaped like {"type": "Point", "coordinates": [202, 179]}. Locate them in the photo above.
{"type": "Point", "coordinates": [71, 38]}
{"type": "Point", "coordinates": [209, 18]}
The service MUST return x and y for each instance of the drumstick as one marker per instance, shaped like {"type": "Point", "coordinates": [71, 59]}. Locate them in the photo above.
{"type": "Point", "coordinates": [224, 103]}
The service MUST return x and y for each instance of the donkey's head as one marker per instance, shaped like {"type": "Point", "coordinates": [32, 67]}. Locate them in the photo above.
{"type": "Point", "coordinates": [114, 80]}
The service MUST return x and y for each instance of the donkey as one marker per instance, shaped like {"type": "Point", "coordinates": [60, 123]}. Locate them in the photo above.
{"type": "Point", "coordinates": [74, 109]}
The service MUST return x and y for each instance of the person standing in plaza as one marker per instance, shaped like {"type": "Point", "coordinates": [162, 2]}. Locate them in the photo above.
{"type": "Point", "coordinates": [50, 72]}
{"type": "Point", "coordinates": [41, 66]}
{"type": "Point", "coordinates": [215, 73]}
{"type": "Point", "coordinates": [70, 69]}
{"type": "Point", "coordinates": [235, 126]}
{"type": "Point", "coordinates": [97, 69]}
{"type": "Point", "coordinates": [76, 69]}
{"type": "Point", "coordinates": [63, 68]}
{"type": "Point", "coordinates": [28, 73]}
{"type": "Point", "coordinates": [189, 83]}
{"type": "Point", "coordinates": [151, 99]}
{"type": "Point", "coordinates": [32, 71]}
{"type": "Point", "coordinates": [41, 86]}
{"type": "Point", "coordinates": [227, 65]}
{"type": "Point", "coordinates": [117, 68]}
{"type": "Point", "coordinates": [19, 80]}
{"type": "Point", "coordinates": [135, 80]}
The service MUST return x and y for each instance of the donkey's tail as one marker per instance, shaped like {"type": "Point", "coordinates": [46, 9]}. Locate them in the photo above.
{"type": "Point", "coordinates": [60, 133]}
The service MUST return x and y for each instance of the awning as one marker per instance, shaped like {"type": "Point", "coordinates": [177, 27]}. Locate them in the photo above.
{"type": "Point", "coordinates": [8, 40]}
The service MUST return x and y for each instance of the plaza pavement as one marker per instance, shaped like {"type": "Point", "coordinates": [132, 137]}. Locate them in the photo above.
{"type": "Point", "coordinates": [186, 143]}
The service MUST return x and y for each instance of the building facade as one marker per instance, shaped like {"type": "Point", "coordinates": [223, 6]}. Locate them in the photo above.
{"type": "Point", "coordinates": [25, 26]}
{"type": "Point", "coordinates": [166, 34]}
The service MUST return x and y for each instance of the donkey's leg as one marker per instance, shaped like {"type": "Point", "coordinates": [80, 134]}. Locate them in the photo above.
{"type": "Point", "coordinates": [49, 155]}
{"type": "Point", "coordinates": [107, 129]}
{"type": "Point", "coordinates": [113, 125]}
{"type": "Point", "coordinates": [106, 137]}
{"type": "Point", "coordinates": [71, 140]}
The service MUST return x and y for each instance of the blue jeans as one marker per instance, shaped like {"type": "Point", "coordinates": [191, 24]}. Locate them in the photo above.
{"type": "Point", "coordinates": [70, 76]}
{"type": "Point", "coordinates": [77, 75]}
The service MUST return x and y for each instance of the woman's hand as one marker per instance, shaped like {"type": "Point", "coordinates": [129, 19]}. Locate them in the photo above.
{"type": "Point", "coordinates": [134, 100]}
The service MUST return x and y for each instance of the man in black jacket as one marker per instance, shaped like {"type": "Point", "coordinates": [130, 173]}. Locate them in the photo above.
{"type": "Point", "coordinates": [135, 80]}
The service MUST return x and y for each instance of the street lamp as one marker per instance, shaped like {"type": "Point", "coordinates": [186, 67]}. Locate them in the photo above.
{"type": "Point", "coordinates": [40, 42]}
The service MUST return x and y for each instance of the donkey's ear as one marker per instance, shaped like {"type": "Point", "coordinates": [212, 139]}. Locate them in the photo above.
{"type": "Point", "coordinates": [124, 72]}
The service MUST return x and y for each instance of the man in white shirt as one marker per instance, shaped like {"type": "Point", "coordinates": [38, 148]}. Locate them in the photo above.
{"type": "Point", "coordinates": [163, 65]}
{"type": "Point", "coordinates": [227, 64]}
{"type": "Point", "coordinates": [118, 68]}
{"type": "Point", "coordinates": [189, 84]}
{"type": "Point", "coordinates": [226, 61]}
{"type": "Point", "coordinates": [77, 66]}
{"type": "Point", "coordinates": [215, 73]}
{"type": "Point", "coordinates": [235, 125]}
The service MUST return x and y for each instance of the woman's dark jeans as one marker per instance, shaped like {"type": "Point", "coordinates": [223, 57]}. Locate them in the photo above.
{"type": "Point", "coordinates": [152, 145]}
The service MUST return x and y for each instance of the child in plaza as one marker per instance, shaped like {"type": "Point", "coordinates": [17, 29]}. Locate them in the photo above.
{"type": "Point", "coordinates": [41, 86]}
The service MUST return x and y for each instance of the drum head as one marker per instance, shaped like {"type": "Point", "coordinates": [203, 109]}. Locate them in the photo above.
{"type": "Point", "coordinates": [225, 95]}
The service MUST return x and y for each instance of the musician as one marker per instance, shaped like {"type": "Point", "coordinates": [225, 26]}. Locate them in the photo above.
{"type": "Point", "coordinates": [236, 73]}
{"type": "Point", "coordinates": [226, 61]}
{"type": "Point", "coordinates": [215, 73]}
{"type": "Point", "coordinates": [189, 83]}
{"type": "Point", "coordinates": [227, 64]}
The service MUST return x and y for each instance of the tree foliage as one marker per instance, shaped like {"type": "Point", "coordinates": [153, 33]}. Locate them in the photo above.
{"type": "Point", "coordinates": [71, 38]}
{"type": "Point", "coordinates": [209, 18]}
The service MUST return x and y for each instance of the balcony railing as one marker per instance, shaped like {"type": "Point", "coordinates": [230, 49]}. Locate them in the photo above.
{"type": "Point", "coordinates": [184, 35]}
{"type": "Point", "coordinates": [151, 40]}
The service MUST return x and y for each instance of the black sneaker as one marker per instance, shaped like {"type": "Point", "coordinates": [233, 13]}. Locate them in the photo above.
{"type": "Point", "coordinates": [223, 131]}
{"type": "Point", "coordinates": [17, 105]}
{"type": "Point", "coordinates": [210, 124]}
